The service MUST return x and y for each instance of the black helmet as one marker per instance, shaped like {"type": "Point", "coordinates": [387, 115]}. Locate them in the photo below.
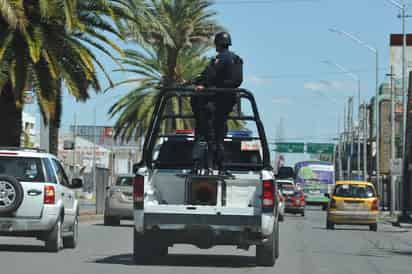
{"type": "Point", "coordinates": [223, 39]}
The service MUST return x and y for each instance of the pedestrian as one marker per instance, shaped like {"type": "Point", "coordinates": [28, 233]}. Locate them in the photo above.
{"type": "Point", "coordinates": [211, 112]}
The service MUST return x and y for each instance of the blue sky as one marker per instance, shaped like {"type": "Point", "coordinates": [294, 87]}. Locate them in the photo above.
{"type": "Point", "coordinates": [283, 44]}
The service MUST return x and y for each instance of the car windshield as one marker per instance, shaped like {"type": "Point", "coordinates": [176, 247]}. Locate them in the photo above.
{"type": "Point", "coordinates": [124, 181]}
{"type": "Point", "coordinates": [23, 169]}
{"type": "Point", "coordinates": [354, 191]}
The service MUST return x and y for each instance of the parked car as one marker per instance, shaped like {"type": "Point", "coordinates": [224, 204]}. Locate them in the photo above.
{"type": "Point", "coordinates": [281, 206]}
{"type": "Point", "coordinates": [119, 200]}
{"type": "Point", "coordinates": [37, 199]}
{"type": "Point", "coordinates": [295, 202]}
{"type": "Point", "coordinates": [353, 203]}
{"type": "Point", "coordinates": [173, 206]}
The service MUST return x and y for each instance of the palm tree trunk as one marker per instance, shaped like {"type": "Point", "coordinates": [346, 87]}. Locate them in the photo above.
{"type": "Point", "coordinates": [10, 118]}
{"type": "Point", "coordinates": [172, 54]}
{"type": "Point", "coordinates": [54, 123]}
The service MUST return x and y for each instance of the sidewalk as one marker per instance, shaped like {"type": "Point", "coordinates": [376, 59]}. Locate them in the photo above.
{"type": "Point", "coordinates": [88, 210]}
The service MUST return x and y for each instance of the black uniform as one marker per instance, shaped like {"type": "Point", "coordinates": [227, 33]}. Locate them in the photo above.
{"type": "Point", "coordinates": [211, 112]}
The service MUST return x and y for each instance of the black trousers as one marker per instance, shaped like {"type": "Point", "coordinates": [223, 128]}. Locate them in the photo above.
{"type": "Point", "coordinates": [211, 115]}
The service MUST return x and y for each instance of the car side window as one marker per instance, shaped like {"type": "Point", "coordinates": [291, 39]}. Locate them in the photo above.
{"type": "Point", "coordinates": [61, 174]}
{"type": "Point", "coordinates": [51, 175]}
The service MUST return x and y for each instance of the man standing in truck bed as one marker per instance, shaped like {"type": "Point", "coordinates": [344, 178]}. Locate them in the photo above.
{"type": "Point", "coordinates": [211, 112]}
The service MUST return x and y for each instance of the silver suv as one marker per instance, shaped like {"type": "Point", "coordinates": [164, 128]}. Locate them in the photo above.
{"type": "Point", "coordinates": [119, 200]}
{"type": "Point", "coordinates": [37, 199]}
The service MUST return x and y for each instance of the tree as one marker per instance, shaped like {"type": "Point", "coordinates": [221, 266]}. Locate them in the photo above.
{"type": "Point", "coordinates": [171, 52]}
{"type": "Point", "coordinates": [134, 110]}
{"type": "Point", "coordinates": [47, 44]}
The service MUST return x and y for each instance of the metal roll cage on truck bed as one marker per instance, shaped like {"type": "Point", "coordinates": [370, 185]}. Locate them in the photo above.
{"type": "Point", "coordinates": [171, 206]}
{"type": "Point", "coordinates": [180, 93]}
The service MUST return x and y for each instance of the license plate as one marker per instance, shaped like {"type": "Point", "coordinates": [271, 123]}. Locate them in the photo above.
{"type": "Point", "coordinates": [314, 191]}
{"type": "Point", "coordinates": [353, 206]}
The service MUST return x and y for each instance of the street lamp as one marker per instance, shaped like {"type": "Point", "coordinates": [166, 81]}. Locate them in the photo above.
{"type": "Point", "coordinates": [375, 52]}
{"type": "Point", "coordinates": [357, 79]}
{"type": "Point", "coordinates": [403, 7]}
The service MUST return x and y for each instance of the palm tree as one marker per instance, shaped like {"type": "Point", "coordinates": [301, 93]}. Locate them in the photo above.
{"type": "Point", "coordinates": [133, 111]}
{"type": "Point", "coordinates": [47, 43]}
{"type": "Point", "coordinates": [171, 52]}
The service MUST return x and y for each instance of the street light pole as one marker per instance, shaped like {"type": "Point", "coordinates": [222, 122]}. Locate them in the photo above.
{"type": "Point", "coordinates": [393, 149]}
{"type": "Point", "coordinates": [356, 78]}
{"type": "Point", "coordinates": [375, 52]}
{"type": "Point", "coordinates": [402, 8]}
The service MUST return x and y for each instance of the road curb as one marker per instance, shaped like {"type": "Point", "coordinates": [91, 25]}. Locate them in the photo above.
{"type": "Point", "coordinates": [90, 216]}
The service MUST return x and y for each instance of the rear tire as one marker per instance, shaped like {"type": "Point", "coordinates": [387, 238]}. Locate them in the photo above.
{"type": "Point", "coordinates": [373, 227]}
{"type": "Point", "coordinates": [303, 213]}
{"type": "Point", "coordinates": [281, 218]}
{"type": "Point", "coordinates": [54, 240]}
{"type": "Point", "coordinates": [266, 252]}
{"type": "Point", "coordinates": [330, 225]}
{"type": "Point", "coordinates": [146, 247]}
{"type": "Point", "coordinates": [111, 220]}
{"type": "Point", "coordinates": [13, 196]}
{"type": "Point", "coordinates": [324, 207]}
{"type": "Point", "coordinates": [72, 240]}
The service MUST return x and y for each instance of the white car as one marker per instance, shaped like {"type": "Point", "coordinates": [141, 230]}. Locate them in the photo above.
{"type": "Point", "coordinates": [37, 198]}
{"type": "Point", "coordinates": [173, 207]}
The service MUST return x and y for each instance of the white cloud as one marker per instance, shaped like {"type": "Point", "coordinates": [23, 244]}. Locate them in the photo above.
{"type": "Point", "coordinates": [256, 80]}
{"type": "Point", "coordinates": [325, 85]}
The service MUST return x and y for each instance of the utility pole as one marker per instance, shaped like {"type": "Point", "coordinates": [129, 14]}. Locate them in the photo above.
{"type": "Point", "coordinates": [351, 135]}
{"type": "Point", "coordinates": [339, 160]}
{"type": "Point", "coordinates": [365, 140]}
{"type": "Point", "coordinates": [393, 148]}
{"type": "Point", "coordinates": [74, 140]}
{"type": "Point", "coordinates": [94, 152]}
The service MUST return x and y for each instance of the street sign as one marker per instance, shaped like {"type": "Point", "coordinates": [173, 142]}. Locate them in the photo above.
{"type": "Point", "coordinates": [290, 147]}
{"type": "Point", "coordinates": [396, 167]}
{"type": "Point", "coordinates": [316, 148]}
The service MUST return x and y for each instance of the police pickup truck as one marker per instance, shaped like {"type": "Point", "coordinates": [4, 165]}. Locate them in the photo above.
{"type": "Point", "coordinates": [173, 207]}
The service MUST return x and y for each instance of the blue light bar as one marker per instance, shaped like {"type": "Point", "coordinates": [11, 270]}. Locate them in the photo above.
{"type": "Point", "coordinates": [239, 133]}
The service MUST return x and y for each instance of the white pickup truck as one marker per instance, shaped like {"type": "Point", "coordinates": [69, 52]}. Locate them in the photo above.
{"type": "Point", "coordinates": [173, 208]}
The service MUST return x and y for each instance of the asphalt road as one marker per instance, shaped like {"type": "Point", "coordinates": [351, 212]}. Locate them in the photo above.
{"type": "Point", "coordinates": [306, 248]}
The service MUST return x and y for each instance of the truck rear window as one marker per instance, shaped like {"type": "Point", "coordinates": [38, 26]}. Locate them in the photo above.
{"type": "Point", "coordinates": [23, 169]}
{"type": "Point", "coordinates": [177, 153]}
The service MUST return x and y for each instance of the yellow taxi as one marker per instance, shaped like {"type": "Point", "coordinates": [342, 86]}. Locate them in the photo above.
{"type": "Point", "coordinates": [353, 203]}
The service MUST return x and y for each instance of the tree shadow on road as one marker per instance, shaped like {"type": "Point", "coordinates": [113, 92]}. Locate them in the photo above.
{"type": "Point", "coordinates": [186, 260]}
{"type": "Point", "coordinates": [21, 248]}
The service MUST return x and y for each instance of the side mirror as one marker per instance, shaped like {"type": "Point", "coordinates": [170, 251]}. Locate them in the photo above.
{"type": "Point", "coordinates": [76, 183]}
{"type": "Point", "coordinates": [137, 166]}
{"type": "Point", "coordinates": [327, 195]}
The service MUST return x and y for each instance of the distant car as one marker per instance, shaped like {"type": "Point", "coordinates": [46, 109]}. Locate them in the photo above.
{"type": "Point", "coordinates": [119, 201]}
{"type": "Point", "coordinates": [285, 183]}
{"type": "Point", "coordinates": [295, 202]}
{"type": "Point", "coordinates": [353, 203]}
{"type": "Point", "coordinates": [37, 199]}
{"type": "Point", "coordinates": [285, 172]}
{"type": "Point", "coordinates": [281, 206]}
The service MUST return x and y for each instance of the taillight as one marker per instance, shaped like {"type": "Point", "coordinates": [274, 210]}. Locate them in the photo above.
{"type": "Point", "coordinates": [268, 201]}
{"type": "Point", "coordinates": [49, 195]}
{"type": "Point", "coordinates": [138, 191]}
{"type": "Point", "coordinates": [332, 203]}
{"type": "Point", "coordinates": [375, 205]}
